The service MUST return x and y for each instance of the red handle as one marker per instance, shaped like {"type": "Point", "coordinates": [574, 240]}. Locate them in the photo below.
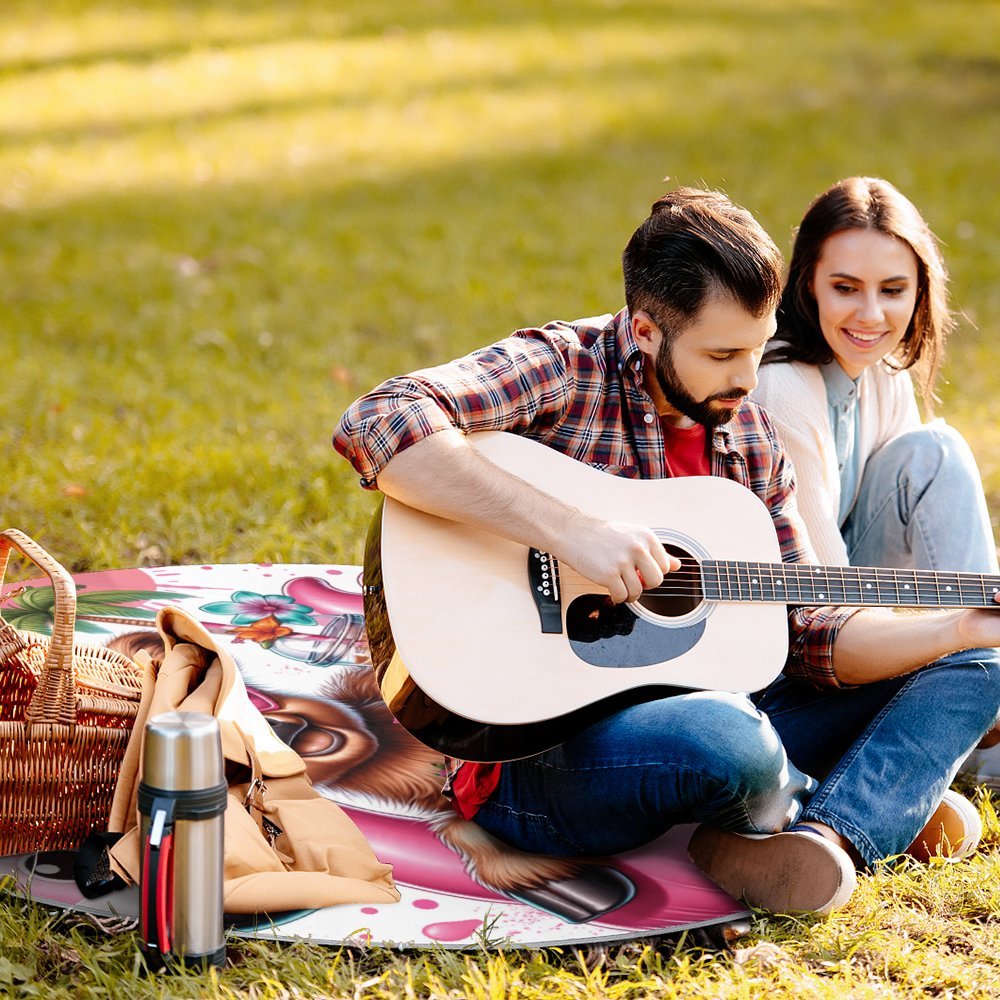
{"type": "Point", "coordinates": [165, 893]}
{"type": "Point", "coordinates": [156, 909]}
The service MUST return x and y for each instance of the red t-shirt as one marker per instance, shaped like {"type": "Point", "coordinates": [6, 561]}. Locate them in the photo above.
{"type": "Point", "coordinates": [686, 450]}
{"type": "Point", "coordinates": [686, 455]}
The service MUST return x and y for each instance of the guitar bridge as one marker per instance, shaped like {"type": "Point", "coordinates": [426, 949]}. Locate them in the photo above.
{"type": "Point", "coordinates": [543, 578]}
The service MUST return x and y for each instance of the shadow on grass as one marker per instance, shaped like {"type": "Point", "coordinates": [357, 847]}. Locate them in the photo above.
{"type": "Point", "coordinates": [249, 23]}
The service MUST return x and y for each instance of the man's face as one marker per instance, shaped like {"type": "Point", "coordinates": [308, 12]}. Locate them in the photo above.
{"type": "Point", "coordinates": [703, 374]}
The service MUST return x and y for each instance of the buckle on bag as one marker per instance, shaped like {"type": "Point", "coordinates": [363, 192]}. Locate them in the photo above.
{"type": "Point", "coordinates": [254, 798]}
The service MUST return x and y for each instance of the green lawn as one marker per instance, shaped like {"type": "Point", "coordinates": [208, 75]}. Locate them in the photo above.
{"type": "Point", "coordinates": [221, 221]}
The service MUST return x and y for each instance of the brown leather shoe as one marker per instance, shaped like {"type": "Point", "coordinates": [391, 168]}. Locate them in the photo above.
{"type": "Point", "coordinates": [953, 832]}
{"type": "Point", "coordinates": [790, 872]}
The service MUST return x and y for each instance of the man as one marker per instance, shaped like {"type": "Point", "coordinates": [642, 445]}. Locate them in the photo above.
{"type": "Point", "coordinates": [852, 749]}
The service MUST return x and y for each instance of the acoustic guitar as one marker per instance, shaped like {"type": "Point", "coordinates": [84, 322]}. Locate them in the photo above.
{"type": "Point", "coordinates": [487, 650]}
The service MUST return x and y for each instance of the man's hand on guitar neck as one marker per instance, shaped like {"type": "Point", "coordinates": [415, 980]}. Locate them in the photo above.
{"type": "Point", "coordinates": [443, 475]}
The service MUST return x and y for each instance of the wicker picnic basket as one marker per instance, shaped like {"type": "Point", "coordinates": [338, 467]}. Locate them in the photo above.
{"type": "Point", "coordinates": [66, 711]}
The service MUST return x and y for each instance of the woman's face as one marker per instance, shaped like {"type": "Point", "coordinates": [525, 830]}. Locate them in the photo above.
{"type": "Point", "coordinates": [865, 285]}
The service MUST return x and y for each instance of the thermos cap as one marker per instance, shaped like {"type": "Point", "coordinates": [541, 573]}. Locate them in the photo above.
{"type": "Point", "coordinates": [182, 752]}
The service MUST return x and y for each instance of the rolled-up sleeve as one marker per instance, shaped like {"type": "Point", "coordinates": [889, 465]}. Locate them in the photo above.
{"type": "Point", "coordinates": [515, 384]}
{"type": "Point", "coordinates": [812, 632]}
{"type": "Point", "coordinates": [386, 421]}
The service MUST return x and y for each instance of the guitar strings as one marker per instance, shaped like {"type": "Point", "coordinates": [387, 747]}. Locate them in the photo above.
{"type": "Point", "coordinates": [690, 581]}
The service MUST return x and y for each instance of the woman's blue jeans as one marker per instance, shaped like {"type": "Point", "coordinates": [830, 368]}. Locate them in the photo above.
{"type": "Point", "coordinates": [886, 752]}
{"type": "Point", "coordinates": [920, 505]}
{"type": "Point", "coordinates": [872, 762]}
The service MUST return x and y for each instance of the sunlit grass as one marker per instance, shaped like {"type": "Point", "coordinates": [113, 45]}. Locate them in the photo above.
{"type": "Point", "coordinates": [907, 933]}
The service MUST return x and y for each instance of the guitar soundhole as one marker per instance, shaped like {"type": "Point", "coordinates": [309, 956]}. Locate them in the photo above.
{"type": "Point", "coordinates": [680, 593]}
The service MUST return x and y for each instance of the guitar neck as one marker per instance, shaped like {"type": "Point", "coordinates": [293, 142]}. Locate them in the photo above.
{"type": "Point", "coordinates": [801, 583]}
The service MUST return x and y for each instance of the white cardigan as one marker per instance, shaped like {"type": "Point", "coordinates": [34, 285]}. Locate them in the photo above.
{"type": "Point", "coordinates": [794, 395]}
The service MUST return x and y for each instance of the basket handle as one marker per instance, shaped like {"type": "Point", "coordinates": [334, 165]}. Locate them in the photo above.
{"type": "Point", "coordinates": [54, 700]}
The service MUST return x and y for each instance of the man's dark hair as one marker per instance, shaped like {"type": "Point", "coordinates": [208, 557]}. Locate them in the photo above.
{"type": "Point", "coordinates": [694, 244]}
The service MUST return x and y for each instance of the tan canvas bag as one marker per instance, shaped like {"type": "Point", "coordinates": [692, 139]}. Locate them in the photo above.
{"type": "Point", "coordinates": [286, 846]}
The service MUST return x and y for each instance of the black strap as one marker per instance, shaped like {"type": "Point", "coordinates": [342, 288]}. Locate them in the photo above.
{"type": "Point", "coordinates": [92, 868]}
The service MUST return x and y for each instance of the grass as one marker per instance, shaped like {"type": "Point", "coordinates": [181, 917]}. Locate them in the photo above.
{"type": "Point", "coordinates": [908, 932]}
{"type": "Point", "coordinates": [221, 221]}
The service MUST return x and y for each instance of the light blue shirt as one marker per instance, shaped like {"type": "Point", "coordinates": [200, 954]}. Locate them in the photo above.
{"type": "Point", "coordinates": [842, 402]}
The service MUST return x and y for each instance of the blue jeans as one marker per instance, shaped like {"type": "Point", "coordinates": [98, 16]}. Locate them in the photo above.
{"type": "Point", "coordinates": [921, 506]}
{"type": "Point", "coordinates": [709, 757]}
{"type": "Point", "coordinates": [884, 753]}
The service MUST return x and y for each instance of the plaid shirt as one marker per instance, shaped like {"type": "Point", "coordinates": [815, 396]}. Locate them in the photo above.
{"type": "Point", "coordinates": [577, 387]}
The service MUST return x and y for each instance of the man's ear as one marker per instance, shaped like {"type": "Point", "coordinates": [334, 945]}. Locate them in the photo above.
{"type": "Point", "coordinates": [646, 333]}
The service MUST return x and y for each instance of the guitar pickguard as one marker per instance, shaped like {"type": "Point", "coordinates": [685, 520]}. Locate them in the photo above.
{"type": "Point", "coordinates": [613, 635]}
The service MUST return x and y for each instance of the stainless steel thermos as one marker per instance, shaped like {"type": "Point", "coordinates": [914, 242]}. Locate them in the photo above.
{"type": "Point", "coordinates": [182, 799]}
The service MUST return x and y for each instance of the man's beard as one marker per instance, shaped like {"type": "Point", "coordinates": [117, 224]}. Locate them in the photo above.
{"type": "Point", "coordinates": [680, 399]}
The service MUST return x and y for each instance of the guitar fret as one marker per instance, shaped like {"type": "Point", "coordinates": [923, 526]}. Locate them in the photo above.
{"type": "Point", "coordinates": [729, 584]}
{"type": "Point", "coordinates": [991, 587]}
{"type": "Point", "coordinates": [829, 592]}
{"type": "Point", "coordinates": [949, 589]}
{"type": "Point", "coordinates": [767, 583]}
{"type": "Point", "coordinates": [811, 579]}
{"type": "Point", "coordinates": [851, 584]}
{"type": "Point", "coordinates": [909, 592]}
{"type": "Point", "coordinates": [773, 596]}
{"type": "Point", "coordinates": [807, 584]}
{"type": "Point", "coordinates": [800, 576]}
{"type": "Point", "coordinates": [706, 568]}
{"type": "Point", "coordinates": [868, 591]}
{"type": "Point", "coordinates": [970, 588]}
{"type": "Point", "coordinates": [715, 582]}
{"type": "Point", "coordinates": [923, 595]}
{"type": "Point", "coordinates": [789, 576]}
{"type": "Point", "coordinates": [778, 588]}
{"type": "Point", "coordinates": [816, 587]}
{"type": "Point", "coordinates": [963, 587]}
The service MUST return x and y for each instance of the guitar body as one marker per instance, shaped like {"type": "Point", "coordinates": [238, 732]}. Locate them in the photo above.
{"type": "Point", "coordinates": [475, 663]}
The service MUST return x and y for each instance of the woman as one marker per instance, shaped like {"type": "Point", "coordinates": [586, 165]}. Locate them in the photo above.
{"type": "Point", "coordinates": [865, 304]}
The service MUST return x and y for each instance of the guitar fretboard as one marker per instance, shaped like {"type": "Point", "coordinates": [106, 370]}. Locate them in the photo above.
{"type": "Point", "coordinates": [791, 583]}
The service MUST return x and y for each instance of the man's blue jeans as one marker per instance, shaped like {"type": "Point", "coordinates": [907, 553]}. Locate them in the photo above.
{"type": "Point", "coordinates": [872, 762]}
